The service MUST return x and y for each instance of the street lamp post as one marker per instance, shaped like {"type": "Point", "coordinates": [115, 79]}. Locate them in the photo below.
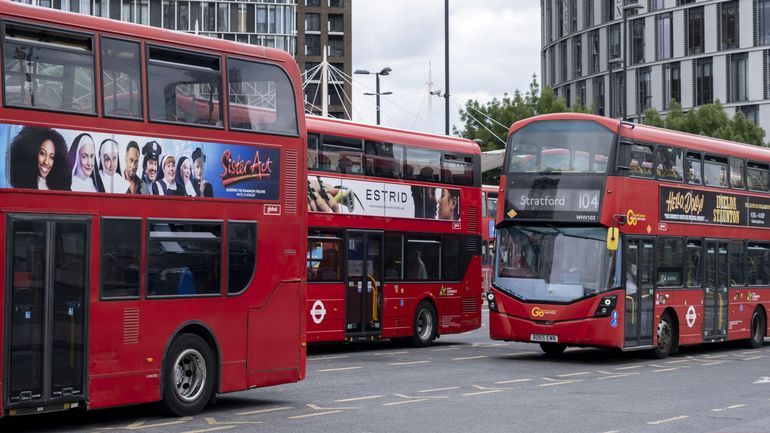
{"type": "Point", "coordinates": [625, 9]}
{"type": "Point", "coordinates": [385, 71]}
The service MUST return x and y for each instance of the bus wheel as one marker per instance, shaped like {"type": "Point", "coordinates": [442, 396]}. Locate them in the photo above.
{"type": "Point", "coordinates": [553, 349]}
{"type": "Point", "coordinates": [758, 329]}
{"type": "Point", "coordinates": [665, 337]}
{"type": "Point", "coordinates": [188, 376]}
{"type": "Point", "coordinates": [425, 325]}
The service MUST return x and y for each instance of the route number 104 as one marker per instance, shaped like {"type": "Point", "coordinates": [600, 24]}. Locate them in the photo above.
{"type": "Point", "coordinates": [588, 200]}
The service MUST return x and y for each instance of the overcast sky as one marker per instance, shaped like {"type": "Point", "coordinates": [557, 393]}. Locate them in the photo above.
{"type": "Point", "coordinates": [494, 47]}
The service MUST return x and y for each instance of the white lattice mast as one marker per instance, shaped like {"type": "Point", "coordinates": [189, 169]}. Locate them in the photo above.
{"type": "Point", "coordinates": [324, 87]}
{"type": "Point", "coordinates": [430, 100]}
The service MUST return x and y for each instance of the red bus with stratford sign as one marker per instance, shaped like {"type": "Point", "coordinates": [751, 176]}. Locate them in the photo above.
{"type": "Point", "coordinates": [631, 237]}
{"type": "Point", "coordinates": [152, 237]}
{"type": "Point", "coordinates": [488, 214]}
{"type": "Point", "coordinates": [393, 234]}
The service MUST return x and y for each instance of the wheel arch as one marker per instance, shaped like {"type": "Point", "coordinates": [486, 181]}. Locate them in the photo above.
{"type": "Point", "coordinates": [674, 326]}
{"type": "Point", "coordinates": [203, 331]}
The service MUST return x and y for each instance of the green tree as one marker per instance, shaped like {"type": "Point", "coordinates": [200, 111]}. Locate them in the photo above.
{"type": "Point", "coordinates": [709, 120]}
{"type": "Point", "coordinates": [488, 123]}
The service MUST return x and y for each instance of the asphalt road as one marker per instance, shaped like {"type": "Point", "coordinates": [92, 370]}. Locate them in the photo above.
{"type": "Point", "coordinates": [468, 383]}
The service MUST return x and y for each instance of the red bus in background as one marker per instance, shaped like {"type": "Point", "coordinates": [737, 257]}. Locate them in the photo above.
{"type": "Point", "coordinates": [665, 246]}
{"type": "Point", "coordinates": [151, 227]}
{"type": "Point", "coordinates": [488, 214]}
{"type": "Point", "coordinates": [394, 245]}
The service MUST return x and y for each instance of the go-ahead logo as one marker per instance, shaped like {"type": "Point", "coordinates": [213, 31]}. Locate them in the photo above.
{"type": "Point", "coordinates": [633, 218]}
{"type": "Point", "coordinates": [539, 312]}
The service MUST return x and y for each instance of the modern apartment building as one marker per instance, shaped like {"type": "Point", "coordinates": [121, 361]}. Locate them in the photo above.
{"type": "Point", "coordinates": [325, 25]}
{"type": "Point", "coordinates": [692, 51]}
{"type": "Point", "coordinates": [302, 27]}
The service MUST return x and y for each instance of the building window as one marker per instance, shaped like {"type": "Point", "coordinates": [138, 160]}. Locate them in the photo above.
{"type": "Point", "coordinates": [577, 55]}
{"type": "Point", "coordinates": [593, 37]}
{"type": "Point", "coordinates": [750, 111]}
{"type": "Point", "coordinates": [598, 92]}
{"type": "Point", "coordinates": [655, 5]}
{"type": "Point", "coordinates": [673, 86]}
{"type": "Point", "coordinates": [588, 14]}
{"type": "Point", "coordinates": [730, 32]}
{"type": "Point", "coordinates": [763, 15]}
{"type": "Point", "coordinates": [637, 41]}
{"type": "Point", "coordinates": [573, 15]}
{"type": "Point", "coordinates": [559, 19]}
{"type": "Point", "coordinates": [313, 22]}
{"type": "Point", "coordinates": [312, 45]}
{"type": "Point", "coordinates": [581, 93]}
{"type": "Point", "coordinates": [614, 42]}
{"type": "Point", "coordinates": [695, 35]}
{"type": "Point", "coordinates": [616, 94]}
{"type": "Point", "coordinates": [645, 90]}
{"type": "Point", "coordinates": [336, 23]}
{"type": "Point", "coordinates": [549, 21]}
{"type": "Point", "coordinates": [608, 10]}
{"type": "Point", "coordinates": [336, 3]}
{"type": "Point", "coordinates": [704, 90]}
{"type": "Point", "coordinates": [738, 86]}
{"type": "Point", "coordinates": [336, 46]}
{"type": "Point", "coordinates": [665, 37]}
{"type": "Point", "coordinates": [563, 60]}
{"type": "Point", "coordinates": [313, 3]}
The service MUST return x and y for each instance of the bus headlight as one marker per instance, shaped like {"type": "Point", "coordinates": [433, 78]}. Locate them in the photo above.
{"type": "Point", "coordinates": [491, 301]}
{"type": "Point", "coordinates": [606, 306]}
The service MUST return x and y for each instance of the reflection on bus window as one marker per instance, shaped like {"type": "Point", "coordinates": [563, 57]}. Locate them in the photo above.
{"type": "Point", "coordinates": [670, 163]}
{"type": "Point", "coordinates": [694, 167]}
{"type": "Point", "coordinates": [324, 257]}
{"type": "Point", "coordinates": [757, 176]}
{"type": "Point", "coordinates": [758, 264]}
{"type": "Point", "coordinates": [641, 161]}
{"type": "Point", "coordinates": [715, 171]}
{"type": "Point", "coordinates": [694, 263]}
{"type": "Point", "coordinates": [736, 173]}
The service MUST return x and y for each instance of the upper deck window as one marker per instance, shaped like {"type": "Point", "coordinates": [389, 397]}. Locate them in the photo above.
{"type": "Point", "coordinates": [715, 171]}
{"type": "Point", "coordinates": [48, 70]}
{"type": "Point", "coordinates": [670, 163]}
{"type": "Point", "coordinates": [384, 159]}
{"type": "Point", "coordinates": [757, 177]}
{"type": "Point", "coordinates": [640, 160]}
{"type": "Point", "coordinates": [565, 146]}
{"type": "Point", "coordinates": [694, 168]}
{"type": "Point", "coordinates": [457, 169]}
{"type": "Point", "coordinates": [261, 98]}
{"type": "Point", "coordinates": [121, 78]}
{"type": "Point", "coordinates": [184, 87]}
{"type": "Point", "coordinates": [737, 169]}
{"type": "Point", "coordinates": [341, 154]}
{"type": "Point", "coordinates": [423, 164]}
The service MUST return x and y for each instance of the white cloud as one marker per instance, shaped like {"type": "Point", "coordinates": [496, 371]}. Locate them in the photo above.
{"type": "Point", "coordinates": [494, 48]}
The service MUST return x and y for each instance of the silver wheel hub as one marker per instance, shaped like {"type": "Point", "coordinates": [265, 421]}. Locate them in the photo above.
{"type": "Point", "coordinates": [189, 375]}
{"type": "Point", "coordinates": [424, 324]}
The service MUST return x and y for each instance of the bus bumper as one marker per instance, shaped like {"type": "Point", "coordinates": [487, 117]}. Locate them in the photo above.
{"type": "Point", "coordinates": [590, 331]}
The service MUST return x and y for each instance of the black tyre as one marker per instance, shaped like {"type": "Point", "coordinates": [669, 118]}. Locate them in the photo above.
{"type": "Point", "coordinates": [188, 376]}
{"type": "Point", "coordinates": [666, 337]}
{"type": "Point", "coordinates": [425, 325]}
{"type": "Point", "coordinates": [758, 329]}
{"type": "Point", "coordinates": [553, 349]}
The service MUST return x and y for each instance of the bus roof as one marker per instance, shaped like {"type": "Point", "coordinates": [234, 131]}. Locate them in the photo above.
{"type": "Point", "coordinates": [391, 135]}
{"type": "Point", "coordinates": [652, 134]}
{"type": "Point", "coordinates": [90, 24]}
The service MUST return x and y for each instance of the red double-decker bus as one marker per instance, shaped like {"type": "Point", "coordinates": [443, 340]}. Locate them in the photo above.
{"type": "Point", "coordinates": [151, 232]}
{"type": "Point", "coordinates": [394, 233]}
{"type": "Point", "coordinates": [631, 237]}
{"type": "Point", "coordinates": [488, 215]}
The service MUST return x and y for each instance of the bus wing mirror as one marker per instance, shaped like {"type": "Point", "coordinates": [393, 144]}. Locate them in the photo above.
{"type": "Point", "coordinates": [613, 236]}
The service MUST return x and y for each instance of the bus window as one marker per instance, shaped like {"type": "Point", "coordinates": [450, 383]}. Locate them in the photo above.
{"type": "Point", "coordinates": [450, 266]}
{"type": "Point", "coordinates": [670, 163]}
{"type": "Point", "coordinates": [312, 151]}
{"type": "Point", "coordinates": [670, 262]}
{"type": "Point", "coordinates": [241, 255]}
{"type": "Point", "coordinates": [324, 257]}
{"type": "Point", "coordinates": [423, 258]}
{"type": "Point", "coordinates": [384, 159]}
{"type": "Point", "coordinates": [260, 98]}
{"type": "Point", "coordinates": [641, 160]}
{"type": "Point", "coordinates": [121, 78]}
{"type": "Point", "coordinates": [423, 164]}
{"type": "Point", "coordinates": [694, 168]}
{"type": "Point", "coordinates": [184, 87]}
{"type": "Point", "coordinates": [715, 171]}
{"type": "Point", "coordinates": [694, 263]}
{"type": "Point", "coordinates": [757, 177]}
{"type": "Point", "coordinates": [491, 205]}
{"type": "Point", "coordinates": [184, 258]}
{"type": "Point", "coordinates": [457, 169]}
{"type": "Point", "coordinates": [121, 258]}
{"type": "Point", "coordinates": [341, 154]}
{"type": "Point", "coordinates": [48, 69]}
{"type": "Point", "coordinates": [736, 252]}
{"type": "Point", "coordinates": [736, 173]}
{"type": "Point", "coordinates": [757, 264]}
{"type": "Point", "coordinates": [394, 257]}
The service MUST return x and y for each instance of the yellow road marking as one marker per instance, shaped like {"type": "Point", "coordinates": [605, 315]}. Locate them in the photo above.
{"type": "Point", "coordinates": [256, 412]}
{"type": "Point", "coordinates": [213, 421]}
{"type": "Point", "coordinates": [308, 415]}
{"type": "Point", "coordinates": [224, 427]}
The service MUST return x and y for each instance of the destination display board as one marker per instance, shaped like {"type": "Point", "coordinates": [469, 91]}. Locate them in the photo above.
{"type": "Point", "coordinates": [712, 207]}
{"type": "Point", "coordinates": [554, 199]}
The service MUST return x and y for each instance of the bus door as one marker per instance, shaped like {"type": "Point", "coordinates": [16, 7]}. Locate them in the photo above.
{"type": "Point", "coordinates": [363, 303]}
{"type": "Point", "coordinates": [715, 291]}
{"type": "Point", "coordinates": [47, 274]}
{"type": "Point", "coordinates": [639, 295]}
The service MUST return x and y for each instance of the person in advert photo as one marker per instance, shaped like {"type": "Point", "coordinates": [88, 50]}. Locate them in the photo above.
{"type": "Point", "coordinates": [131, 162]}
{"type": "Point", "coordinates": [39, 160]}
{"type": "Point", "coordinates": [151, 152]}
{"type": "Point", "coordinates": [202, 186]}
{"type": "Point", "coordinates": [449, 204]}
{"type": "Point", "coordinates": [183, 173]}
{"type": "Point", "coordinates": [167, 184]}
{"type": "Point", "coordinates": [109, 167]}
{"type": "Point", "coordinates": [82, 155]}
